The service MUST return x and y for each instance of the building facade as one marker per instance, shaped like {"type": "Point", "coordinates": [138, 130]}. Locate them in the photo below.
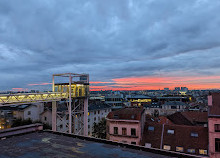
{"type": "Point", "coordinates": [126, 125]}
{"type": "Point", "coordinates": [214, 125]}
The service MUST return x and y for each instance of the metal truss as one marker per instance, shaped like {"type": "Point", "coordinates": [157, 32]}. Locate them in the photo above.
{"type": "Point", "coordinates": [31, 97]}
{"type": "Point", "coordinates": [75, 92]}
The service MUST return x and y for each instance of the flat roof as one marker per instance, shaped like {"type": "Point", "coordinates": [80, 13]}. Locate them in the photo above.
{"type": "Point", "coordinates": [45, 144]}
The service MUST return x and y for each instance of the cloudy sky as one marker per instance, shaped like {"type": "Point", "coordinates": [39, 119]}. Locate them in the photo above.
{"type": "Point", "coordinates": [122, 44]}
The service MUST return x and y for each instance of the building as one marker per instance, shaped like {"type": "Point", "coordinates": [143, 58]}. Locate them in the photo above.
{"type": "Point", "coordinates": [190, 118]}
{"type": "Point", "coordinates": [139, 100]}
{"type": "Point", "coordinates": [97, 112]}
{"type": "Point", "coordinates": [29, 111]}
{"type": "Point", "coordinates": [171, 107]}
{"type": "Point", "coordinates": [166, 89]}
{"type": "Point", "coordinates": [126, 125]}
{"type": "Point", "coordinates": [177, 89]}
{"type": "Point", "coordinates": [179, 138]}
{"type": "Point", "coordinates": [114, 100]}
{"type": "Point", "coordinates": [214, 125]}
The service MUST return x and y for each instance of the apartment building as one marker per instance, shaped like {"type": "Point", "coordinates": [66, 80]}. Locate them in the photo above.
{"type": "Point", "coordinates": [126, 125]}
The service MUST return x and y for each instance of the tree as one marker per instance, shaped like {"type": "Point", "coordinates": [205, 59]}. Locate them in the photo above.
{"type": "Point", "coordinates": [99, 129]}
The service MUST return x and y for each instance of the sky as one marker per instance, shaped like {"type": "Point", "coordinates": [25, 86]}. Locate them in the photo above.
{"type": "Point", "coordinates": [121, 44]}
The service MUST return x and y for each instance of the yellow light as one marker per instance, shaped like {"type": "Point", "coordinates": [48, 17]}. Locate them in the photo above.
{"type": "Point", "coordinates": [88, 113]}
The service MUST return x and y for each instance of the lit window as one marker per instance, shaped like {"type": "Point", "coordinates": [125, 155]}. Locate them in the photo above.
{"type": "Point", "coordinates": [191, 151]}
{"type": "Point", "coordinates": [166, 147]}
{"type": "Point", "coordinates": [179, 148]}
{"type": "Point", "coordinates": [217, 127]}
{"type": "Point", "coordinates": [170, 131]}
{"type": "Point", "coordinates": [203, 152]}
{"type": "Point", "coordinates": [115, 130]}
{"type": "Point", "coordinates": [88, 113]}
{"type": "Point", "coordinates": [193, 134]}
{"type": "Point", "coordinates": [150, 128]}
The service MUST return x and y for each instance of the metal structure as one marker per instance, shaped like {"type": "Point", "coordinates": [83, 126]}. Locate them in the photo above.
{"type": "Point", "coordinates": [75, 92]}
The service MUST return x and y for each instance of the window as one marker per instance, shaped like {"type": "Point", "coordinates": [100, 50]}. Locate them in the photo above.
{"type": "Point", "coordinates": [29, 112]}
{"type": "Point", "coordinates": [133, 131]}
{"type": "Point", "coordinates": [166, 147]}
{"type": "Point", "coordinates": [61, 126]}
{"type": "Point", "coordinates": [148, 145]}
{"type": "Point", "coordinates": [115, 130]}
{"type": "Point", "coordinates": [94, 118]}
{"type": "Point", "coordinates": [170, 131]}
{"type": "Point", "coordinates": [179, 148]}
{"type": "Point", "coordinates": [132, 116]}
{"type": "Point", "coordinates": [88, 113]}
{"type": "Point", "coordinates": [193, 134]}
{"type": "Point", "coordinates": [88, 120]}
{"type": "Point", "coordinates": [99, 118]}
{"type": "Point", "coordinates": [45, 118]}
{"type": "Point", "coordinates": [133, 143]}
{"type": "Point", "coordinates": [150, 128]}
{"type": "Point", "coordinates": [191, 151]}
{"type": "Point", "coordinates": [88, 133]}
{"type": "Point", "coordinates": [98, 112]}
{"type": "Point", "coordinates": [217, 145]}
{"type": "Point", "coordinates": [88, 126]}
{"type": "Point", "coordinates": [124, 131]}
{"type": "Point", "coordinates": [115, 116]}
{"type": "Point", "coordinates": [217, 127]}
{"type": "Point", "coordinates": [203, 152]}
{"type": "Point", "coordinates": [94, 112]}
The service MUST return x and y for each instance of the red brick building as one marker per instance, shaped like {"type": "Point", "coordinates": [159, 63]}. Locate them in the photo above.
{"type": "Point", "coordinates": [180, 138]}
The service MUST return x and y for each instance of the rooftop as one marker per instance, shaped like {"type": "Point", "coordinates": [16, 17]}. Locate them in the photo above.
{"type": "Point", "coordinates": [139, 97]}
{"type": "Point", "coordinates": [128, 113]}
{"type": "Point", "coordinates": [188, 117]}
{"type": "Point", "coordinates": [45, 144]}
{"type": "Point", "coordinates": [98, 106]}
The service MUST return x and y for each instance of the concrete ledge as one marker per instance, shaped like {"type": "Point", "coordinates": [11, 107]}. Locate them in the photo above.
{"type": "Point", "coordinates": [136, 147]}
{"type": "Point", "coordinates": [21, 130]}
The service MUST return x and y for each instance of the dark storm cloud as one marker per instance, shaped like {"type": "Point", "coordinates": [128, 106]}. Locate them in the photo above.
{"type": "Point", "coordinates": [107, 39]}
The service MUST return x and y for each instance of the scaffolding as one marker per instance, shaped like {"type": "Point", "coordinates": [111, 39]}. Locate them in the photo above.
{"type": "Point", "coordinates": [74, 92]}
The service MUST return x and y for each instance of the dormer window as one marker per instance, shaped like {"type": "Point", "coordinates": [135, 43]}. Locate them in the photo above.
{"type": "Point", "coordinates": [115, 116]}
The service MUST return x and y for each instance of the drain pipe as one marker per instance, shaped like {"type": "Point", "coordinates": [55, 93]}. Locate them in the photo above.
{"type": "Point", "coordinates": [161, 143]}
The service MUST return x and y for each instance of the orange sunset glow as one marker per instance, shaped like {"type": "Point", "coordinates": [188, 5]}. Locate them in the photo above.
{"type": "Point", "coordinates": [154, 83]}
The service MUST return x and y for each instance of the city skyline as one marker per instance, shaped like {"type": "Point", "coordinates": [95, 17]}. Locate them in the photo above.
{"type": "Point", "coordinates": [123, 45]}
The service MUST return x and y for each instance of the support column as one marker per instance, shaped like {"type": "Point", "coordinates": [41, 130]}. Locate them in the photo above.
{"type": "Point", "coordinates": [54, 116]}
{"type": "Point", "coordinates": [53, 88]}
{"type": "Point", "coordinates": [85, 119]}
{"type": "Point", "coordinates": [70, 105]}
